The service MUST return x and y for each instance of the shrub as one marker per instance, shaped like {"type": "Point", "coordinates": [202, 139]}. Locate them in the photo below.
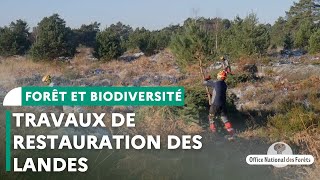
{"type": "Point", "coordinates": [149, 42]}
{"type": "Point", "coordinates": [195, 110]}
{"type": "Point", "coordinates": [86, 34]}
{"type": "Point", "coordinates": [193, 42]}
{"type": "Point", "coordinates": [234, 80]}
{"type": "Point", "coordinates": [303, 34]}
{"type": "Point", "coordinates": [288, 42]}
{"type": "Point", "coordinates": [295, 119]}
{"type": "Point", "coordinates": [14, 40]}
{"type": "Point", "coordinates": [314, 42]}
{"type": "Point", "coordinates": [196, 105]}
{"type": "Point", "coordinates": [53, 40]}
{"type": "Point", "coordinates": [108, 45]}
{"type": "Point", "coordinates": [246, 37]}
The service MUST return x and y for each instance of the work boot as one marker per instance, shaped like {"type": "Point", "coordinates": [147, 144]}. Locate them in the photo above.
{"type": "Point", "coordinates": [229, 128]}
{"type": "Point", "coordinates": [211, 124]}
{"type": "Point", "coordinates": [213, 128]}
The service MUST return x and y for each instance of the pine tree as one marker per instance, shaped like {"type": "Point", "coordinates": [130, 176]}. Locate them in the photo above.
{"type": "Point", "coordinates": [108, 45]}
{"type": "Point", "coordinates": [86, 34]}
{"type": "Point", "coordinates": [53, 39]}
{"type": "Point", "coordinates": [314, 42]}
{"type": "Point", "coordinates": [15, 39]}
{"type": "Point", "coordinates": [191, 43]}
{"type": "Point", "coordinates": [246, 37]}
{"type": "Point", "coordinates": [278, 31]}
{"type": "Point", "coordinates": [303, 34]}
{"type": "Point", "coordinates": [303, 10]}
{"type": "Point", "coordinates": [287, 42]}
{"type": "Point", "coordinates": [123, 31]}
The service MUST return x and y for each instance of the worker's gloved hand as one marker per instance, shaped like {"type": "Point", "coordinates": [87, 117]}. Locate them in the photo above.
{"type": "Point", "coordinates": [207, 78]}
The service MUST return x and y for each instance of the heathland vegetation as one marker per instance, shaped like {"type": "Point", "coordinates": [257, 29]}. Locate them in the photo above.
{"type": "Point", "coordinates": [274, 92]}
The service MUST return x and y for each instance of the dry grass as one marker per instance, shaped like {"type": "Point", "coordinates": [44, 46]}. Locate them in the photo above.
{"type": "Point", "coordinates": [295, 99]}
{"type": "Point", "coordinates": [80, 66]}
{"type": "Point", "coordinates": [243, 61]}
{"type": "Point", "coordinates": [162, 121]}
{"type": "Point", "coordinates": [309, 140]}
{"type": "Point", "coordinates": [140, 66]}
{"type": "Point", "coordinates": [152, 121]}
{"type": "Point", "coordinates": [311, 173]}
{"type": "Point", "coordinates": [191, 81]}
{"type": "Point", "coordinates": [313, 82]}
{"type": "Point", "coordinates": [12, 69]}
{"type": "Point", "coordinates": [269, 71]}
{"type": "Point", "coordinates": [307, 59]}
{"type": "Point", "coordinates": [295, 73]}
{"type": "Point", "coordinates": [253, 133]}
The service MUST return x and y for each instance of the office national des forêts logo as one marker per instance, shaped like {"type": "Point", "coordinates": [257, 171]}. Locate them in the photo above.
{"type": "Point", "coordinates": [279, 155]}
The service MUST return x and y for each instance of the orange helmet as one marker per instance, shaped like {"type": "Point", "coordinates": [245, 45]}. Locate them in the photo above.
{"type": "Point", "coordinates": [222, 75]}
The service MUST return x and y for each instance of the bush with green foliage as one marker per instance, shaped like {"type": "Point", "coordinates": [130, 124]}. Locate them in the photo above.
{"type": "Point", "coordinates": [86, 34]}
{"type": "Point", "coordinates": [145, 41]}
{"type": "Point", "coordinates": [236, 38]}
{"type": "Point", "coordinates": [278, 31]}
{"type": "Point", "coordinates": [123, 31]}
{"type": "Point", "coordinates": [108, 45]}
{"type": "Point", "coordinates": [149, 42]}
{"type": "Point", "coordinates": [294, 119]}
{"type": "Point", "coordinates": [192, 42]}
{"type": "Point", "coordinates": [195, 109]}
{"type": "Point", "coordinates": [303, 34]}
{"type": "Point", "coordinates": [246, 37]}
{"type": "Point", "coordinates": [135, 38]}
{"type": "Point", "coordinates": [196, 105]}
{"type": "Point", "coordinates": [15, 39]}
{"type": "Point", "coordinates": [314, 42]}
{"type": "Point", "coordinates": [163, 36]}
{"type": "Point", "coordinates": [53, 39]}
{"type": "Point", "coordinates": [288, 42]}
